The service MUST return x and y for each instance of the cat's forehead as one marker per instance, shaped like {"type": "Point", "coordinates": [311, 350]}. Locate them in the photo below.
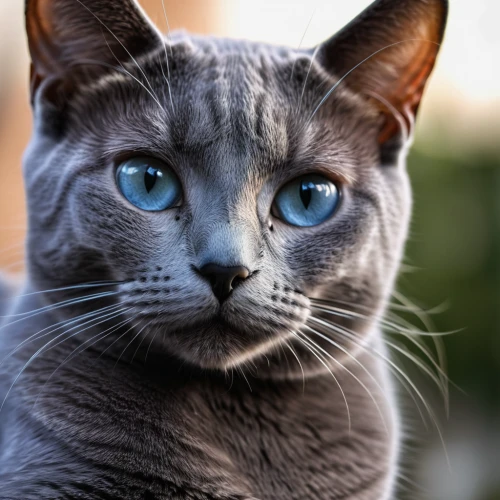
{"type": "Point", "coordinates": [222, 48]}
{"type": "Point", "coordinates": [226, 102]}
{"type": "Point", "coordinates": [226, 92]}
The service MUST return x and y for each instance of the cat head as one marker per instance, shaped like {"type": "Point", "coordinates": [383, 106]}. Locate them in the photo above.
{"type": "Point", "coordinates": [223, 185]}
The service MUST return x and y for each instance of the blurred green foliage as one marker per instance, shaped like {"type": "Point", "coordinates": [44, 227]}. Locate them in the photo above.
{"type": "Point", "coordinates": [454, 245]}
{"type": "Point", "coordinates": [453, 257]}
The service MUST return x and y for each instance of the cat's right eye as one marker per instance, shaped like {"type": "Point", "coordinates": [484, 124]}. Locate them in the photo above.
{"type": "Point", "coordinates": [149, 184]}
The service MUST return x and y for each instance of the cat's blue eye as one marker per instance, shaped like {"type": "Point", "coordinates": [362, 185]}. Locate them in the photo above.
{"type": "Point", "coordinates": [307, 201]}
{"type": "Point", "coordinates": [149, 184]}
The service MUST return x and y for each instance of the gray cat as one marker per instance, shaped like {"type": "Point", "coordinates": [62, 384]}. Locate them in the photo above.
{"type": "Point", "coordinates": [214, 230]}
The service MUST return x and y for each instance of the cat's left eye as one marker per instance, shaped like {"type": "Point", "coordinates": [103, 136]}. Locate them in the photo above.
{"type": "Point", "coordinates": [306, 201]}
{"type": "Point", "coordinates": [149, 184]}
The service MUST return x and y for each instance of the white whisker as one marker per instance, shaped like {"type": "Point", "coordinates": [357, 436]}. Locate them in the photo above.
{"type": "Point", "coordinates": [100, 336]}
{"type": "Point", "coordinates": [62, 324]}
{"type": "Point", "coordinates": [128, 345]}
{"type": "Point", "coordinates": [124, 48]}
{"type": "Point", "coordinates": [315, 53]}
{"type": "Point", "coordinates": [57, 305]}
{"type": "Point", "coordinates": [44, 349]}
{"type": "Point", "coordinates": [150, 92]}
{"type": "Point", "coordinates": [151, 343]}
{"type": "Point", "coordinates": [320, 359]}
{"type": "Point", "coordinates": [334, 87]}
{"type": "Point", "coordinates": [415, 360]}
{"type": "Point", "coordinates": [372, 378]}
{"type": "Point", "coordinates": [240, 369]}
{"type": "Point", "coordinates": [116, 340]}
{"type": "Point", "coordinates": [167, 79]}
{"type": "Point", "coordinates": [302, 39]}
{"type": "Point", "coordinates": [300, 364]}
{"type": "Point", "coordinates": [353, 337]}
{"type": "Point", "coordinates": [72, 287]}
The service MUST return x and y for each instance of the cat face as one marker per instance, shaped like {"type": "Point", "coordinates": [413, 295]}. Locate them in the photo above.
{"type": "Point", "coordinates": [209, 180]}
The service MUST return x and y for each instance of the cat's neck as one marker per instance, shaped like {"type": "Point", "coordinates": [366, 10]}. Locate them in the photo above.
{"type": "Point", "coordinates": [323, 414]}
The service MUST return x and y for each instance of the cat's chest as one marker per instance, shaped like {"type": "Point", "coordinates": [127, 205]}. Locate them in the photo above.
{"type": "Point", "coordinates": [299, 445]}
{"type": "Point", "coordinates": [197, 441]}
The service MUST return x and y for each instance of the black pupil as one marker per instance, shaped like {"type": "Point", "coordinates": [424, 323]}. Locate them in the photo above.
{"type": "Point", "coordinates": [306, 193]}
{"type": "Point", "coordinates": [150, 177]}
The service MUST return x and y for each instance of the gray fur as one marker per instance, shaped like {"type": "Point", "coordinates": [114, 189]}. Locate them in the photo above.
{"type": "Point", "coordinates": [187, 398]}
{"type": "Point", "coordinates": [8, 288]}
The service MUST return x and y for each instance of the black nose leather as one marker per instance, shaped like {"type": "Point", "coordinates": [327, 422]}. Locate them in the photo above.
{"type": "Point", "coordinates": [224, 279]}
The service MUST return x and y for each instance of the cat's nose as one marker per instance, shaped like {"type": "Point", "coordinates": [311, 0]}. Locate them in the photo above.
{"type": "Point", "coordinates": [224, 279]}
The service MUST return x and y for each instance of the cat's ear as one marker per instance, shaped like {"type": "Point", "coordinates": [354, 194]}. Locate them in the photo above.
{"type": "Point", "coordinates": [388, 53]}
{"type": "Point", "coordinates": [71, 38]}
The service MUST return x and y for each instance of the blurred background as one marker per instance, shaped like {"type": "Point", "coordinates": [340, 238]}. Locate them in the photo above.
{"type": "Point", "coordinates": [453, 256]}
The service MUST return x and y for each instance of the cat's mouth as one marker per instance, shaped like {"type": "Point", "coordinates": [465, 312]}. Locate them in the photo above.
{"type": "Point", "coordinates": [216, 322]}
{"type": "Point", "coordinates": [225, 340]}
{"type": "Point", "coordinates": [194, 326]}
{"type": "Point", "coordinates": [220, 324]}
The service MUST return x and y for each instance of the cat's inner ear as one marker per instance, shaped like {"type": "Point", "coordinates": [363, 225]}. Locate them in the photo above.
{"type": "Point", "coordinates": [71, 39]}
{"type": "Point", "coordinates": [388, 53]}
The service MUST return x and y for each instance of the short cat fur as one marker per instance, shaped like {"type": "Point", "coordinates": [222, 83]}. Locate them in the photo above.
{"type": "Point", "coordinates": [129, 380]}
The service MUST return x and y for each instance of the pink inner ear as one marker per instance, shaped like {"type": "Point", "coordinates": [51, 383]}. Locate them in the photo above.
{"type": "Point", "coordinates": [406, 96]}
{"type": "Point", "coordinates": [390, 49]}
{"type": "Point", "coordinates": [43, 39]}
{"type": "Point", "coordinates": [37, 40]}
{"type": "Point", "coordinates": [61, 33]}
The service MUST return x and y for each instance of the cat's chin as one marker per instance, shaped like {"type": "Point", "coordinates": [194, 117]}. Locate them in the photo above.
{"type": "Point", "coordinates": [219, 345]}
